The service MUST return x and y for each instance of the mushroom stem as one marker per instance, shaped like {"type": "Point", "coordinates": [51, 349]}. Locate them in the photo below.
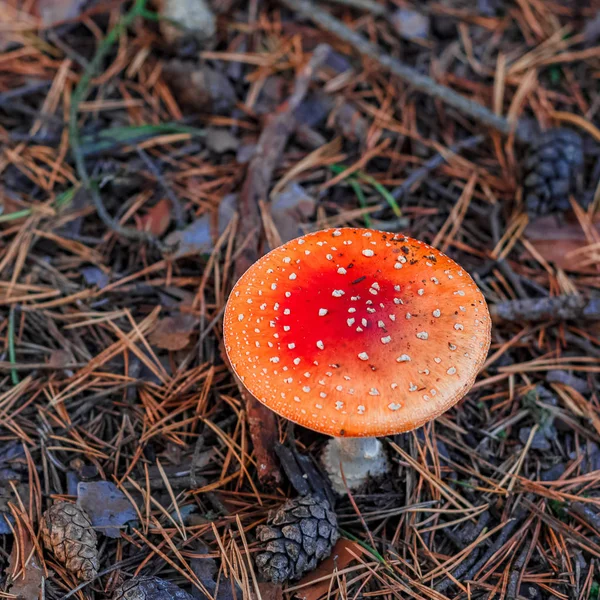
{"type": "Point", "coordinates": [357, 458]}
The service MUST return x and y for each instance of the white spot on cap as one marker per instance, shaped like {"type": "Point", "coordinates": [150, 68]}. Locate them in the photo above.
{"type": "Point", "coordinates": [337, 233]}
{"type": "Point", "coordinates": [240, 317]}
{"type": "Point", "coordinates": [363, 356]}
{"type": "Point", "coordinates": [381, 324]}
{"type": "Point", "coordinates": [342, 271]}
{"type": "Point", "coordinates": [373, 392]}
{"type": "Point", "coordinates": [420, 291]}
{"type": "Point", "coordinates": [287, 260]}
{"type": "Point", "coordinates": [329, 256]}
{"type": "Point", "coordinates": [458, 327]}
{"type": "Point", "coordinates": [459, 293]}
{"type": "Point", "coordinates": [274, 359]}
{"type": "Point", "coordinates": [451, 371]}
{"type": "Point", "coordinates": [386, 340]}
{"type": "Point", "coordinates": [320, 345]}
{"type": "Point", "coordinates": [437, 359]}
{"type": "Point", "coordinates": [350, 322]}
{"type": "Point", "coordinates": [397, 288]}
{"type": "Point", "coordinates": [392, 317]}
{"type": "Point", "coordinates": [286, 327]}
{"type": "Point", "coordinates": [296, 361]}
{"type": "Point", "coordinates": [403, 358]}
{"type": "Point", "coordinates": [408, 315]}
{"type": "Point", "coordinates": [286, 311]}
{"type": "Point", "coordinates": [394, 406]}
{"type": "Point", "coordinates": [437, 313]}
{"type": "Point", "coordinates": [375, 285]}
{"type": "Point", "coordinates": [351, 310]}
{"type": "Point", "coordinates": [291, 346]}
{"type": "Point", "coordinates": [368, 252]}
{"type": "Point", "coordinates": [293, 276]}
{"type": "Point", "coordinates": [412, 387]}
{"type": "Point", "coordinates": [423, 335]}
{"type": "Point", "coordinates": [337, 293]}
{"type": "Point", "coordinates": [306, 389]}
{"type": "Point", "coordinates": [339, 405]}
{"type": "Point", "coordinates": [273, 286]}
{"type": "Point", "coordinates": [323, 312]}
{"type": "Point", "coordinates": [361, 409]}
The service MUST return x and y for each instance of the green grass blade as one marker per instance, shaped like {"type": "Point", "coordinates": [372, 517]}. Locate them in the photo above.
{"type": "Point", "coordinates": [382, 190]}
{"type": "Point", "coordinates": [122, 136]}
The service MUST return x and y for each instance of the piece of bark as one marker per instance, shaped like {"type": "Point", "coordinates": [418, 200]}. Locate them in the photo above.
{"type": "Point", "coordinates": [268, 153]}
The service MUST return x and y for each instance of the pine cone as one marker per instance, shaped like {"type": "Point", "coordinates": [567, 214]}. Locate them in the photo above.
{"type": "Point", "coordinates": [150, 588]}
{"type": "Point", "coordinates": [68, 534]}
{"type": "Point", "coordinates": [296, 538]}
{"type": "Point", "coordinates": [552, 171]}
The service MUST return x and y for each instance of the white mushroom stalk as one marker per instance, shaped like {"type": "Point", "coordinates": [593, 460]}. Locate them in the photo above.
{"type": "Point", "coordinates": [355, 460]}
{"type": "Point", "coordinates": [356, 334]}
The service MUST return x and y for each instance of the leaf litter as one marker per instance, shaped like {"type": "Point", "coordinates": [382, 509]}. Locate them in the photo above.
{"type": "Point", "coordinates": [210, 144]}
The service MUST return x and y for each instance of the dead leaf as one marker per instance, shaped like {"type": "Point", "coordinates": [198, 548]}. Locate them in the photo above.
{"type": "Point", "coordinates": [557, 241]}
{"type": "Point", "coordinates": [221, 140]}
{"type": "Point", "coordinates": [173, 333]}
{"type": "Point", "coordinates": [95, 276]}
{"type": "Point", "coordinates": [339, 559]}
{"type": "Point", "coordinates": [53, 12]}
{"type": "Point", "coordinates": [290, 208]}
{"type": "Point", "coordinates": [107, 506]}
{"type": "Point", "coordinates": [197, 238]}
{"type": "Point", "coordinates": [157, 219]}
{"type": "Point", "coordinates": [26, 585]}
{"type": "Point", "coordinates": [268, 591]}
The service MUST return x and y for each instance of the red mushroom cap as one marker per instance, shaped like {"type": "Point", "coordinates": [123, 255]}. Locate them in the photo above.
{"type": "Point", "coordinates": [353, 332]}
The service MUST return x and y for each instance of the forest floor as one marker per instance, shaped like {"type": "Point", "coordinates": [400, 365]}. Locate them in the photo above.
{"type": "Point", "coordinates": [144, 166]}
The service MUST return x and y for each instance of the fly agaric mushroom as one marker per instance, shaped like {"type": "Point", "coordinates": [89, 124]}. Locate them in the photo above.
{"type": "Point", "coordinates": [356, 334]}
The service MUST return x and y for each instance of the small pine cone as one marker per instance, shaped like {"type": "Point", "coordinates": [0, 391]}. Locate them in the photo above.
{"type": "Point", "coordinates": [68, 534]}
{"type": "Point", "coordinates": [296, 538]}
{"type": "Point", "coordinates": [552, 171]}
{"type": "Point", "coordinates": [150, 588]}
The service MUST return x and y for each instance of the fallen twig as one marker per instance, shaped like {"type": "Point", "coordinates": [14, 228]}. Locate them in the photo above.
{"type": "Point", "coordinates": [421, 82]}
{"type": "Point", "coordinates": [271, 144]}
{"type": "Point", "coordinates": [433, 163]}
{"type": "Point", "coordinates": [546, 309]}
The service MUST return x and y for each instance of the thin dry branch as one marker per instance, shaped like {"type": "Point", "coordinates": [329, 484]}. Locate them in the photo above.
{"type": "Point", "coordinates": [421, 82]}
